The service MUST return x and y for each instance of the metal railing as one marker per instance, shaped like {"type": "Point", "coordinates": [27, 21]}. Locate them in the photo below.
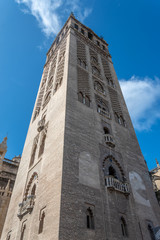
{"type": "Point", "coordinates": [26, 206]}
{"type": "Point", "coordinates": [109, 140]}
{"type": "Point", "coordinates": [115, 184]}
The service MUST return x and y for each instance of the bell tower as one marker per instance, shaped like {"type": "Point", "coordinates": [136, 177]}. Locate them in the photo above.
{"type": "Point", "coordinates": [82, 173]}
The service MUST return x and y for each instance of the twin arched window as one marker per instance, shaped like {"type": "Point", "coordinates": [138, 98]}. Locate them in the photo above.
{"type": "Point", "coordinates": [95, 71]}
{"type": "Point", "coordinates": [35, 145]}
{"type": "Point", "coordinates": [119, 119]}
{"type": "Point", "coordinates": [84, 99]}
{"type": "Point", "coordinates": [82, 63]}
{"type": "Point", "coordinates": [94, 59]}
{"type": "Point", "coordinates": [98, 87]}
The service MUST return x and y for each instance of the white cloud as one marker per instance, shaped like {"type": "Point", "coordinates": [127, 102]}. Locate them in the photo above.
{"type": "Point", "coordinates": [51, 13]}
{"type": "Point", "coordinates": [142, 96]}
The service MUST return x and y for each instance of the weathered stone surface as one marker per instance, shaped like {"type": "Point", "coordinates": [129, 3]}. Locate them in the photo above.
{"type": "Point", "coordinates": [76, 159]}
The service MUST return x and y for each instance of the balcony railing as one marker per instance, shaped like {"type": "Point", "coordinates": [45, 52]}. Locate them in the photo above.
{"type": "Point", "coordinates": [104, 113]}
{"type": "Point", "coordinates": [109, 140]}
{"type": "Point", "coordinates": [26, 206]}
{"type": "Point", "coordinates": [114, 184]}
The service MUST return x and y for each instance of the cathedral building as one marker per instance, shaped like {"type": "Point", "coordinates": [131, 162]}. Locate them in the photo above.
{"type": "Point", "coordinates": [82, 174]}
{"type": "Point", "coordinates": [155, 176]}
{"type": "Point", "coordinates": [8, 172]}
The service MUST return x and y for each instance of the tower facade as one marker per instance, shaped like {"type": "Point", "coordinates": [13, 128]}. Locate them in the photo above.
{"type": "Point", "coordinates": [82, 173]}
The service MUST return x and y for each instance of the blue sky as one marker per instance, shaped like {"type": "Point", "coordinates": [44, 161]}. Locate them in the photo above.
{"type": "Point", "coordinates": [132, 30]}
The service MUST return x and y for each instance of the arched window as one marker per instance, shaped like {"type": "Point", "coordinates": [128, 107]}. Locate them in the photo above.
{"type": "Point", "coordinates": [41, 222]}
{"type": "Point", "coordinates": [50, 83]}
{"type": "Point", "coordinates": [33, 155]}
{"type": "Point", "coordinates": [8, 237]}
{"type": "Point", "coordinates": [80, 97]}
{"type": "Point", "coordinates": [98, 87]}
{"type": "Point", "coordinates": [33, 191]}
{"type": "Point", "coordinates": [94, 59]}
{"type": "Point", "coordinates": [90, 219]}
{"type": "Point", "coordinates": [60, 81]}
{"type": "Point", "coordinates": [99, 108]}
{"type": "Point", "coordinates": [84, 64]}
{"type": "Point", "coordinates": [87, 101]}
{"type": "Point", "coordinates": [122, 121]}
{"type": "Point", "coordinates": [79, 61]}
{"type": "Point", "coordinates": [95, 70]}
{"type": "Point", "coordinates": [106, 130]}
{"type": "Point", "coordinates": [151, 232]}
{"type": "Point", "coordinates": [22, 232]}
{"type": "Point", "coordinates": [112, 172]}
{"type": "Point", "coordinates": [84, 99]}
{"type": "Point", "coordinates": [123, 227]}
{"type": "Point", "coordinates": [41, 149]}
{"type": "Point", "coordinates": [56, 87]}
{"type": "Point", "coordinates": [47, 98]}
{"type": "Point", "coordinates": [116, 117]}
{"type": "Point", "coordinates": [31, 186]}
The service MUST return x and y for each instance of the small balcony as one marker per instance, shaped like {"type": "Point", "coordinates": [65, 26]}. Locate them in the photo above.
{"type": "Point", "coordinates": [103, 113]}
{"type": "Point", "coordinates": [114, 184]}
{"type": "Point", "coordinates": [41, 124]}
{"type": "Point", "coordinates": [109, 140]}
{"type": "Point", "coordinates": [26, 206]}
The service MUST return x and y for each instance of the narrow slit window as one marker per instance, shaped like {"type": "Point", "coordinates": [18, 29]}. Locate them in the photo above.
{"type": "Point", "coordinates": [90, 219]}
{"type": "Point", "coordinates": [41, 223]}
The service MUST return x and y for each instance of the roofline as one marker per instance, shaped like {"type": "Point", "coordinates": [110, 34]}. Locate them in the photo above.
{"type": "Point", "coordinates": [89, 29]}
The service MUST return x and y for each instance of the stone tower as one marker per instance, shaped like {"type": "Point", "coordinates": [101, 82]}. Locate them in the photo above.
{"type": "Point", "coordinates": [82, 173]}
{"type": "Point", "coordinates": [8, 172]}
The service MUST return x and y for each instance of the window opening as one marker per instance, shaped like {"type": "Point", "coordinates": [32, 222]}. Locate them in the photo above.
{"type": "Point", "coordinates": [33, 155]}
{"type": "Point", "coordinates": [87, 101]}
{"type": "Point", "coordinates": [90, 219]}
{"type": "Point", "coordinates": [22, 233]}
{"type": "Point", "coordinates": [123, 227]}
{"type": "Point", "coordinates": [82, 31]}
{"type": "Point", "coordinates": [41, 149]}
{"type": "Point", "coordinates": [112, 172]}
{"type": "Point", "coordinates": [76, 26]}
{"type": "Point", "coordinates": [33, 191]}
{"type": "Point", "coordinates": [41, 223]}
{"type": "Point", "coordinates": [106, 131]}
{"type": "Point", "coordinates": [80, 97]}
{"type": "Point", "coordinates": [90, 35]}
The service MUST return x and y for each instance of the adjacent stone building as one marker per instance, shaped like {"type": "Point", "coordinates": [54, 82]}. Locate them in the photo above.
{"type": "Point", "coordinates": [8, 172]}
{"type": "Point", "coordinates": [155, 176]}
{"type": "Point", "coordinates": [82, 173]}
